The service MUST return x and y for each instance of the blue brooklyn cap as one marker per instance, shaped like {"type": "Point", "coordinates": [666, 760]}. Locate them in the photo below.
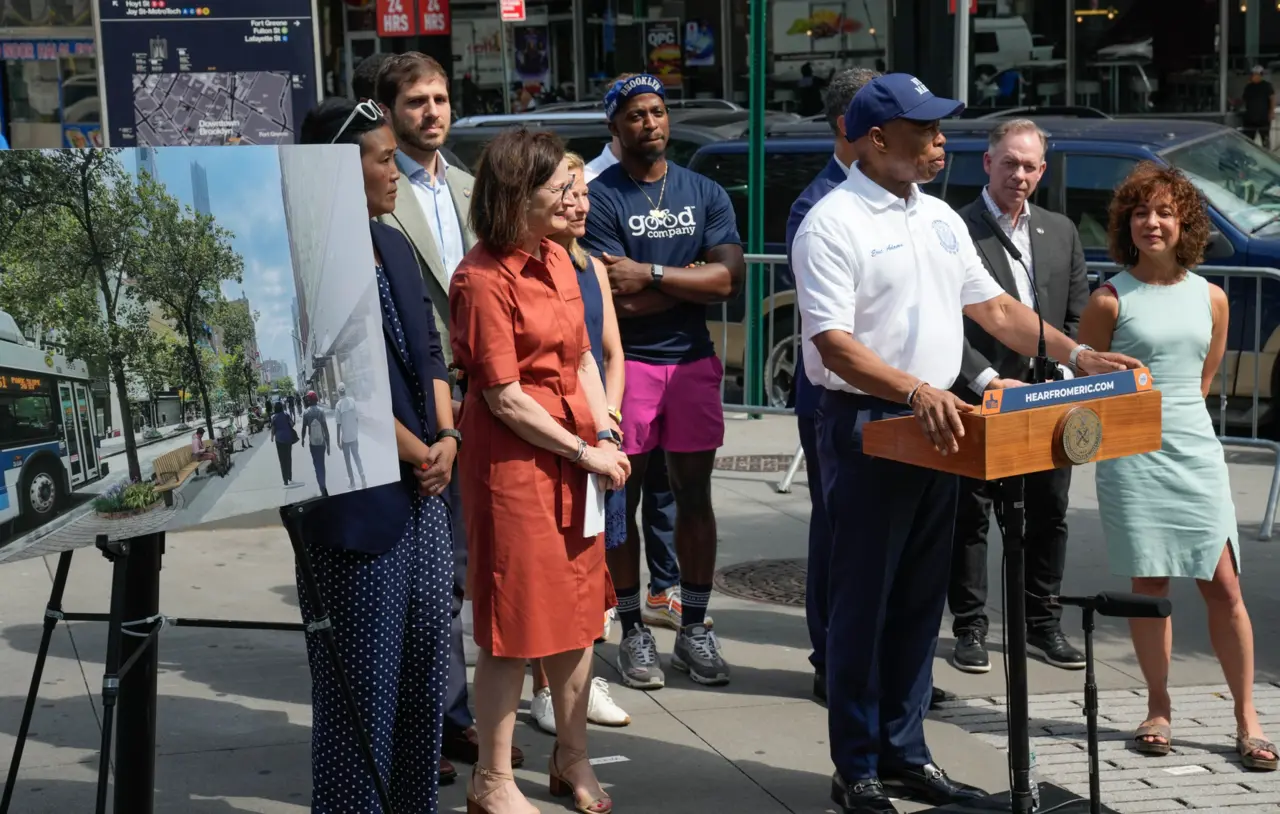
{"type": "Point", "coordinates": [895, 96]}
{"type": "Point", "coordinates": [624, 89]}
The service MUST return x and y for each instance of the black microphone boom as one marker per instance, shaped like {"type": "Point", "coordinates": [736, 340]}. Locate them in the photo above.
{"type": "Point", "coordinates": [1125, 605]}
{"type": "Point", "coordinates": [1041, 371]}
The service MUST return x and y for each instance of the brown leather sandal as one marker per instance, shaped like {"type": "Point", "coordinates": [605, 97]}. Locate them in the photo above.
{"type": "Point", "coordinates": [560, 787]}
{"type": "Point", "coordinates": [1144, 739]}
{"type": "Point", "coordinates": [1249, 749]}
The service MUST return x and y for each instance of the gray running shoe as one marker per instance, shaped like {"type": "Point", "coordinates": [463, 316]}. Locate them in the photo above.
{"type": "Point", "coordinates": [638, 660]}
{"type": "Point", "coordinates": [698, 654]}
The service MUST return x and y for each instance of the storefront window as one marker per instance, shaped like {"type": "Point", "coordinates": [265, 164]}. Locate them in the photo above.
{"type": "Point", "coordinates": [811, 41]}
{"type": "Point", "coordinates": [51, 90]}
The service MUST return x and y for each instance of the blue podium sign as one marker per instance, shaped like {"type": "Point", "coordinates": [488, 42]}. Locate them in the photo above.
{"type": "Point", "coordinates": [1048, 394]}
{"type": "Point", "coordinates": [206, 72]}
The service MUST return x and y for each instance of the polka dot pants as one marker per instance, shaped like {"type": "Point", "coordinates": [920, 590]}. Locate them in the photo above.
{"type": "Point", "coordinates": [391, 618]}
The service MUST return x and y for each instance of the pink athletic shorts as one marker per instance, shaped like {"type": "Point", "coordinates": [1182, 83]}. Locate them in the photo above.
{"type": "Point", "coordinates": [675, 407]}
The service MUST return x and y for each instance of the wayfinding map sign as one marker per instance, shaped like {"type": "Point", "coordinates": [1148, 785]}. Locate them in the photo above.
{"type": "Point", "coordinates": [206, 72]}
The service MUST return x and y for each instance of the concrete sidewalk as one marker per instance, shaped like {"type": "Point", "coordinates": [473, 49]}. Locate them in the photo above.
{"type": "Point", "coordinates": [234, 715]}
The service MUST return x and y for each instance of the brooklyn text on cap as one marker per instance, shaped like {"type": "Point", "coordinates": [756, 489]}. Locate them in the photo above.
{"type": "Point", "coordinates": [1258, 69]}
{"type": "Point", "coordinates": [895, 96]}
{"type": "Point", "coordinates": [624, 89]}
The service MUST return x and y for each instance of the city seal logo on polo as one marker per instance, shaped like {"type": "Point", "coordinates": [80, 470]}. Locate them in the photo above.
{"type": "Point", "coordinates": [946, 237]}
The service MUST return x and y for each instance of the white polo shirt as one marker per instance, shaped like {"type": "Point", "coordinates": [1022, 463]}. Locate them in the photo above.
{"type": "Point", "coordinates": [894, 273]}
{"type": "Point", "coordinates": [600, 163]}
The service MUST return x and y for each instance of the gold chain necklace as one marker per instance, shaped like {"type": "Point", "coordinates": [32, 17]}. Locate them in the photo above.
{"type": "Point", "coordinates": [656, 211]}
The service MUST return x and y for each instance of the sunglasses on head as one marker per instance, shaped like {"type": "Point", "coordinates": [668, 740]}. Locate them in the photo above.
{"type": "Point", "coordinates": [368, 108]}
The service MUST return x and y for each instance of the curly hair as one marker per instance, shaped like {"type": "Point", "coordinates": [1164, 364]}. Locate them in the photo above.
{"type": "Point", "coordinates": [1151, 180]}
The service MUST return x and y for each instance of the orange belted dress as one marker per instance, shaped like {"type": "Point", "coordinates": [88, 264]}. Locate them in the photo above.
{"type": "Point", "coordinates": [537, 586]}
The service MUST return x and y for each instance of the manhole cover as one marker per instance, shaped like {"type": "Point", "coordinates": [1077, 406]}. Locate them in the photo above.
{"type": "Point", "coordinates": [754, 463]}
{"type": "Point", "coordinates": [778, 581]}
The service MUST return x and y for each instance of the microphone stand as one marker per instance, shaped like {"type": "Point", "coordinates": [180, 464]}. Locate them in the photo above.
{"type": "Point", "coordinates": [1091, 714]}
{"type": "Point", "coordinates": [1011, 516]}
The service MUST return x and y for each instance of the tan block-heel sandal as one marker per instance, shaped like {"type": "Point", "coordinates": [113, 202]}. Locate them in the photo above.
{"type": "Point", "coordinates": [1142, 745]}
{"type": "Point", "coordinates": [560, 787]}
{"type": "Point", "coordinates": [475, 802]}
{"type": "Point", "coordinates": [1250, 747]}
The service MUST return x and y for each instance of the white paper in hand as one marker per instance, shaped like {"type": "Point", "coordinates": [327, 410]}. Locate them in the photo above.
{"type": "Point", "coordinates": [593, 516]}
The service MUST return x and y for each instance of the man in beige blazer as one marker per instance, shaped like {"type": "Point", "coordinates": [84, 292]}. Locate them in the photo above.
{"type": "Point", "coordinates": [433, 201]}
{"type": "Point", "coordinates": [433, 205]}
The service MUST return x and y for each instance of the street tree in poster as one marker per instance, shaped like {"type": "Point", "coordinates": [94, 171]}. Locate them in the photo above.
{"type": "Point", "coordinates": [69, 257]}
{"type": "Point", "coordinates": [188, 258]}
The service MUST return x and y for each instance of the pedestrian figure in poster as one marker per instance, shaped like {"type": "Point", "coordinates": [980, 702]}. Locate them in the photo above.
{"type": "Point", "coordinates": [349, 435]}
{"type": "Point", "coordinates": [283, 434]}
{"type": "Point", "coordinates": [313, 421]}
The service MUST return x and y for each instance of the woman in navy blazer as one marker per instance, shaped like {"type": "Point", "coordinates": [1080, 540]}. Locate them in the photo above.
{"type": "Point", "coordinates": [383, 557]}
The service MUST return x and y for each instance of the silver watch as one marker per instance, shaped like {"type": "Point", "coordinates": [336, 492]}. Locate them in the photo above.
{"type": "Point", "coordinates": [1075, 354]}
{"type": "Point", "coordinates": [655, 272]}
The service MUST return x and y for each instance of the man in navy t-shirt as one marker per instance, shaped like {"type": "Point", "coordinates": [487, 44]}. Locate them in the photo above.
{"type": "Point", "coordinates": [670, 242]}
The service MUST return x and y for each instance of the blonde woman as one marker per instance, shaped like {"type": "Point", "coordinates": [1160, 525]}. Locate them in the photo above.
{"type": "Point", "coordinates": [606, 346]}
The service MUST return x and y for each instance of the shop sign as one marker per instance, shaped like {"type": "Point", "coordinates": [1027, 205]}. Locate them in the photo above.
{"type": "Point", "coordinates": [973, 6]}
{"type": "Point", "coordinates": [44, 50]}
{"type": "Point", "coordinates": [396, 18]}
{"type": "Point", "coordinates": [662, 47]}
{"type": "Point", "coordinates": [435, 17]}
{"type": "Point", "coordinates": [513, 11]}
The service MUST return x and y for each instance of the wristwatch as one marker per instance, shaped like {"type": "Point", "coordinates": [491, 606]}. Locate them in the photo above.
{"type": "Point", "coordinates": [656, 271]}
{"type": "Point", "coordinates": [1075, 354]}
{"type": "Point", "coordinates": [450, 433]}
{"type": "Point", "coordinates": [609, 435]}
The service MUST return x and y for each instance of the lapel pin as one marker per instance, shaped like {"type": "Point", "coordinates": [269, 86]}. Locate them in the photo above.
{"type": "Point", "coordinates": [1039, 231]}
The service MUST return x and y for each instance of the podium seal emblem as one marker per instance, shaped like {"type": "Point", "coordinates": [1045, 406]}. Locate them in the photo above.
{"type": "Point", "coordinates": [1081, 434]}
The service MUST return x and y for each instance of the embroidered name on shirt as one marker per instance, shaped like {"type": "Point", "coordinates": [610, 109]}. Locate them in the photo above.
{"type": "Point", "coordinates": [670, 224]}
{"type": "Point", "coordinates": [889, 248]}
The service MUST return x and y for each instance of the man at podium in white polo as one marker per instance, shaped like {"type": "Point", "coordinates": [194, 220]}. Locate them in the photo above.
{"type": "Point", "coordinates": [884, 274]}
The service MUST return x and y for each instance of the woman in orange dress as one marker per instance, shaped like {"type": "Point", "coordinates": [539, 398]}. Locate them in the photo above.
{"type": "Point", "coordinates": [536, 424]}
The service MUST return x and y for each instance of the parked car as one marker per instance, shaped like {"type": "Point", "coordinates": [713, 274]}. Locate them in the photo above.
{"type": "Point", "coordinates": [1087, 158]}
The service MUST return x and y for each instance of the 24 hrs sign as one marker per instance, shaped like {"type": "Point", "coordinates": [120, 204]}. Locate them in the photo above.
{"type": "Point", "coordinates": [396, 18]}
{"type": "Point", "coordinates": [435, 17]}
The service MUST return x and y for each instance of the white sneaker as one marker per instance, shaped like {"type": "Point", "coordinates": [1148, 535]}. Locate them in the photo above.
{"type": "Point", "coordinates": [609, 616]}
{"type": "Point", "coordinates": [600, 707]}
{"type": "Point", "coordinates": [544, 715]}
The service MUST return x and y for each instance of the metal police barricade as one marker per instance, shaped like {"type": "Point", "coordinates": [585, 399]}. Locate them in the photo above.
{"type": "Point", "coordinates": [773, 326]}
{"type": "Point", "coordinates": [1229, 379]}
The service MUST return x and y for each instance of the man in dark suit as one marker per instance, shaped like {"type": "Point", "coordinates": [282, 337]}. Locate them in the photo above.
{"type": "Point", "coordinates": [1051, 247]}
{"type": "Point", "coordinates": [805, 395]}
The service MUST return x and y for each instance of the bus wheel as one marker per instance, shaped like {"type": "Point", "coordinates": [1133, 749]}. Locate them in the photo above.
{"type": "Point", "coordinates": [40, 494]}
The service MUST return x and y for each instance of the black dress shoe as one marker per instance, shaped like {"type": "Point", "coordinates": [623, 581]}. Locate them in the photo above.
{"type": "Point", "coordinates": [938, 696]}
{"type": "Point", "coordinates": [820, 685]}
{"type": "Point", "coordinates": [1055, 648]}
{"type": "Point", "coordinates": [928, 784]}
{"type": "Point", "coordinates": [970, 655]}
{"type": "Point", "coordinates": [866, 796]}
{"type": "Point", "coordinates": [448, 774]}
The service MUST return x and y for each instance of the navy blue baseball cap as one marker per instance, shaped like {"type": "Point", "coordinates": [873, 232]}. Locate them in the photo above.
{"type": "Point", "coordinates": [895, 96]}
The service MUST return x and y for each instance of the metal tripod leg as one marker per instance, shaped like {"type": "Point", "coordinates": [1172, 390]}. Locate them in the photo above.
{"type": "Point", "coordinates": [52, 615]}
{"type": "Point", "coordinates": [784, 486]}
{"type": "Point", "coordinates": [322, 626]}
{"type": "Point", "coordinates": [118, 553]}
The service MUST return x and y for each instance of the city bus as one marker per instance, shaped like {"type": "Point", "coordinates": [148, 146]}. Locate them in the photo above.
{"type": "Point", "coordinates": [48, 442]}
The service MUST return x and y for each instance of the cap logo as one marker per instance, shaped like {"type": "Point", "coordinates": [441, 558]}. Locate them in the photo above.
{"type": "Point", "coordinates": [634, 86]}
{"type": "Point", "coordinates": [919, 86]}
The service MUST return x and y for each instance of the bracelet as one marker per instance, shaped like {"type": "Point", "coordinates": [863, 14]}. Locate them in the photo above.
{"type": "Point", "coordinates": [911, 397]}
{"type": "Point", "coordinates": [582, 450]}
{"type": "Point", "coordinates": [616, 415]}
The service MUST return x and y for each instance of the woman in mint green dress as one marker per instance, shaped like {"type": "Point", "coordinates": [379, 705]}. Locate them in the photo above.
{"type": "Point", "coordinates": [1169, 513]}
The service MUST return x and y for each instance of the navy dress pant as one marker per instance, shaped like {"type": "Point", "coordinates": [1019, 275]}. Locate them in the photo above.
{"type": "Point", "coordinates": [390, 616]}
{"type": "Point", "coordinates": [818, 569]}
{"type": "Point", "coordinates": [890, 562]}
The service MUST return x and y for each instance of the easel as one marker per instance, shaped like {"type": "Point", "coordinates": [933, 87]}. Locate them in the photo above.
{"type": "Point", "coordinates": [131, 684]}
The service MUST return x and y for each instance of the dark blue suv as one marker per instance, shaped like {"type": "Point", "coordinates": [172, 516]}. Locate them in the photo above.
{"type": "Point", "coordinates": [1087, 159]}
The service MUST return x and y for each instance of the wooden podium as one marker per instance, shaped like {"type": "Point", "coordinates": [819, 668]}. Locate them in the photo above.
{"type": "Point", "coordinates": [1035, 428]}
{"type": "Point", "coordinates": [1016, 432]}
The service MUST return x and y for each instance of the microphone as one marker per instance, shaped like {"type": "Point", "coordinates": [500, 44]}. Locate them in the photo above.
{"type": "Point", "coordinates": [1116, 603]}
{"type": "Point", "coordinates": [1041, 371]}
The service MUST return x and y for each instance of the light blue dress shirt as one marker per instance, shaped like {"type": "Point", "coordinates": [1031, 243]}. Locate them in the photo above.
{"type": "Point", "coordinates": [437, 207]}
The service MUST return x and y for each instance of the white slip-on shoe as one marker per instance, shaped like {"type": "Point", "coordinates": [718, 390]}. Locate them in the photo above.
{"type": "Point", "coordinates": [544, 714]}
{"type": "Point", "coordinates": [601, 708]}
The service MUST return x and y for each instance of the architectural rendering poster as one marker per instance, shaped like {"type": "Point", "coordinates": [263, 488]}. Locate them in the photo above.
{"type": "Point", "coordinates": [187, 334]}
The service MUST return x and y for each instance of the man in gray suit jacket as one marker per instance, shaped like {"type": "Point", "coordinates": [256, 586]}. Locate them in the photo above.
{"type": "Point", "coordinates": [1050, 245]}
{"type": "Point", "coordinates": [433, 207]}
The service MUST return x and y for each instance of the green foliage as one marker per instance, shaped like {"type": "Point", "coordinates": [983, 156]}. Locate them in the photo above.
{"type": "Point", "coordinates": [284, 384]}
{"type": "Point", "coordinates": [139, 496]}
{"type": "Point", "coordinates": [125, 496]}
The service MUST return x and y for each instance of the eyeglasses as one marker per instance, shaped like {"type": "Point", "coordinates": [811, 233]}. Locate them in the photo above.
{"type": "Point", "coordinates": [564, 191]}
{"type": "Point", "coordinates": [368, 108]}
